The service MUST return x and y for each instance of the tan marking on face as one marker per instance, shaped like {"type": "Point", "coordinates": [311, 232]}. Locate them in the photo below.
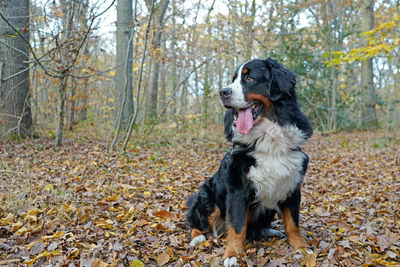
{"type": "Point", "coordinates": [265, 100]}
{"type": "Point", "coordinates": [296, 240]}
{"type": "Point", "coordinates": [245, 70]}
{"type": "Point", "coordinates": [235, 241]}
{"type": "Point", "coordinates": [233, 76]}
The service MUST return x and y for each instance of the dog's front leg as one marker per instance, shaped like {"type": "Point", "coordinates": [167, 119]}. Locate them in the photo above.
{"type": "Point", "coordinates": [237, 220]}
{"type": "Point", "coordinates": [290, 215]}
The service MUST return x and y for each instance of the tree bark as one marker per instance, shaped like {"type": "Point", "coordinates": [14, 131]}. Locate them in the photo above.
{"type": "Point", "coordinates": [61, 105]}
{"type": "Point", "coordinates": [250, 30]}
{"type": "Point", "coordinates": [123, 77]}
{"type": "Point", "coordinates": [151, 105]}
{"type": "Point", "coordinates": [15, 111]}
{"type": "Point", "coordinates": [84, 94]}
{"type": "Point", "coordinates": [368, 112]}
{"type": "Point", "coordinates": [207, 76]}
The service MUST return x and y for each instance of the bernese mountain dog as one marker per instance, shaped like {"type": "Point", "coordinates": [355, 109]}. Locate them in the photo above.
{"type": "Point", "coordinates": [262, 173]}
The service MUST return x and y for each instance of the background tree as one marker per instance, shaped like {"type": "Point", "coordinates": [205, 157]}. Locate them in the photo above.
{"type": "Point", "coordinates": [152, 99]}
{"type": "Point", "coordinates": [15, 111]}
{"type": "Point", "coordinates": [368, 112]}
{"type": "Point", "coordinates": [188, 51]}
{"type": "Point", "coordinates": [124, 54]}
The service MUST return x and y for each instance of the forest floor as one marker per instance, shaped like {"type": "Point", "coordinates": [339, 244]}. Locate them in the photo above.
{"type": "Point", "coordinates": [80, 205]}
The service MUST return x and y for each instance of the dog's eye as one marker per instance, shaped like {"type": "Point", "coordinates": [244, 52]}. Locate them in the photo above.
{"type": "Point", "coordinates": [249, 79]}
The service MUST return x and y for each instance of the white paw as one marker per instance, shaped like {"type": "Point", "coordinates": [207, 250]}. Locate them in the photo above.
{"type": "Point", "coordinates": [197, 240]}
{"type": "Point", "coordinates": [229, 262]}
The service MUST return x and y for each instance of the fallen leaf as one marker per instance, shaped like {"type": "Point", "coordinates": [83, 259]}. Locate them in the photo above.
{"type": "Point", "coordinates": [97, 263]}
{"type": "Point", "coordinates": [383, 242]}
{"type": "Point", "coordinates": [9, 219]}
{"type": "Point", "coordinates": [22, 231]}
{"type": "Point", "coordinates": [136, 263]}
{"type": "Point", "coordinates": [162, 259]}
{"type": "Point", "coordinates": [164, 214]}
{"type": "Point", "coordinates": [49, 187]}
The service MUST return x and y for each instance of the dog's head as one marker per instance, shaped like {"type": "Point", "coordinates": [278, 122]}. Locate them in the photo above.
{"type": "Point", "coordinates": [257, 86]}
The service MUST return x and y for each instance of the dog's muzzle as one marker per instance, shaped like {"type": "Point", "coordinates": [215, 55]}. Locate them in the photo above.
{"type": "Point", "coordinates": [225, 94]}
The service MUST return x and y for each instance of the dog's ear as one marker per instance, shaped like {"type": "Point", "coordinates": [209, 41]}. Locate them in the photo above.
{"type": "Point", "coordinates": [282, 80]}
{"type": "Point", "coordinates": [228, 122]}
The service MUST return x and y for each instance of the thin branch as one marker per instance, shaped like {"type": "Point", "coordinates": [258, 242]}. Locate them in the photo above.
{"type": "Point", "coordinates": [87, 33]}
{"type": "Point", "coordinates": [102, 71]}
{"type": "Point", "coordinates": [30, 47]}
{"type": "Point", "coordinates": [176, 90]}
{"type": "Point", "coordinates": [17, 73]}
{"type": "Point", "coordinates": [122, 107]}
{"type": "Point", "coordinates": [9, 131]}
{"type": "Point", "coordinates": [13, 48]}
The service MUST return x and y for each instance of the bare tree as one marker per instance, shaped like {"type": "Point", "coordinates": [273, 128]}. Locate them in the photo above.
{"type": "Point", "coordinates": [123, 77]}
{"type": "Point", "coordinates": [368, 112]}
{"type": "Point", "coordinates": [249, 24]}
{"type": "Point", "coordinates": [61, 58]}
{"type": "Point", "coordinates": [151, 103]}
{"type": "Point", "coordinates": [15, 111]}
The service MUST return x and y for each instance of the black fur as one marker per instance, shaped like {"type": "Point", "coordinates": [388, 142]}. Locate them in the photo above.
{"type": "Point", "coordinates": [229, 188]}
{"type": "Point", "coordinates": [228, 121]}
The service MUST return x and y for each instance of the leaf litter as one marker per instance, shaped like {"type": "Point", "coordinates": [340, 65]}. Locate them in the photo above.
{"type": "Point", "coordinates": [84, 206]}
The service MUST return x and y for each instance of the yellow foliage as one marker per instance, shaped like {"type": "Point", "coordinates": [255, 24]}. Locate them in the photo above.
{"type": "Point", "coordinates": [56, 235]}
{"type": "Point", "coordinates": [382, 40]}
{"type": "Point", "coordinates": [41, 255]}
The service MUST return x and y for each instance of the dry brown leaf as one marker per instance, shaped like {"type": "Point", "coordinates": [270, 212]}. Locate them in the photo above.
{"type": "Point", "coordinates": [164, 214]}
{"type": "Point", "coordinates": [98, 263]}
{"type": "Point", "coordinates": [383, 242]}
{"type": "Point", "coordinates": [162, 259]}
{"type": "Point", "coordinates": [310, 260]}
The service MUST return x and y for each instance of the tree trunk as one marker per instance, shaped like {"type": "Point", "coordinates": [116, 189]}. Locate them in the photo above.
{"type": "Point", "coordinates": [123, 77]}
{"type": "Point", "coordinates": [61, 104]}
{"type": "Point", "coordinates": [72, 107]}
{"type": "Point", "coordinates": [250, 30]}
{"type": "Point", "coordinates": [368, 112]}
{"type": "Point", "coordinates": [207, 78]}
{"type": "Point", "coordinates": [84, 94]}
{"type": "Point", "coordinates": [163, 93]}
{"type": "Point", "coordinates": [151, 105]}
{"type": "Point", "coordinates": [15, 111]}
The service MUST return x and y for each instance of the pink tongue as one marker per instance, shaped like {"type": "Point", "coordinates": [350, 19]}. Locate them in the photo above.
{"type": "Point", "coordinates": [245, 121]}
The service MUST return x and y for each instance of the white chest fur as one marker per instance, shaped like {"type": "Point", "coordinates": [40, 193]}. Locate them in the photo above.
{"type": "Point", "coordinates": [278, 165]}
{"type": "Point", "coordinates": [275, 177]}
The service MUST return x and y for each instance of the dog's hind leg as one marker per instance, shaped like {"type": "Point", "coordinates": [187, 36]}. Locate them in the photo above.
{"type": "Point", "coordinates": [203, 214]}
{"type": "Point", "coordinates": [215, 225]}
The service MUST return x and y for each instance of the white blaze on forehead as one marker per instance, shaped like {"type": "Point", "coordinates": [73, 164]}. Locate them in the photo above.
{"type": "Point", "coordinates": [237, 98]}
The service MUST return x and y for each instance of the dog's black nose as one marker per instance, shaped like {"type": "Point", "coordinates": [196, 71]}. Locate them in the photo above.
{"type": "Point", "coordinates": [225, 92]}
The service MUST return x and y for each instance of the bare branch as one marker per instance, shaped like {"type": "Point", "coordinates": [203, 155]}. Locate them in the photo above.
{"type": "Point", "coordinates": [17, 73]}
{"type": "Point", "coordinates": [176, 90]}
{"type": "Point", "coordinates": [87, 33]}
{"type": "Point", "coordinates": [13, 48]}
{"type": "Point", "coordinates": [133, 118]}
{"type": "Point", "coordinates": [30, 48]}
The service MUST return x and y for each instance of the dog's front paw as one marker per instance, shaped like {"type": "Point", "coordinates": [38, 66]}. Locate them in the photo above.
{"type": "Point", "coordinates": [197, 240]}
{"type": "Point", "coordinates": [230, 262]}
